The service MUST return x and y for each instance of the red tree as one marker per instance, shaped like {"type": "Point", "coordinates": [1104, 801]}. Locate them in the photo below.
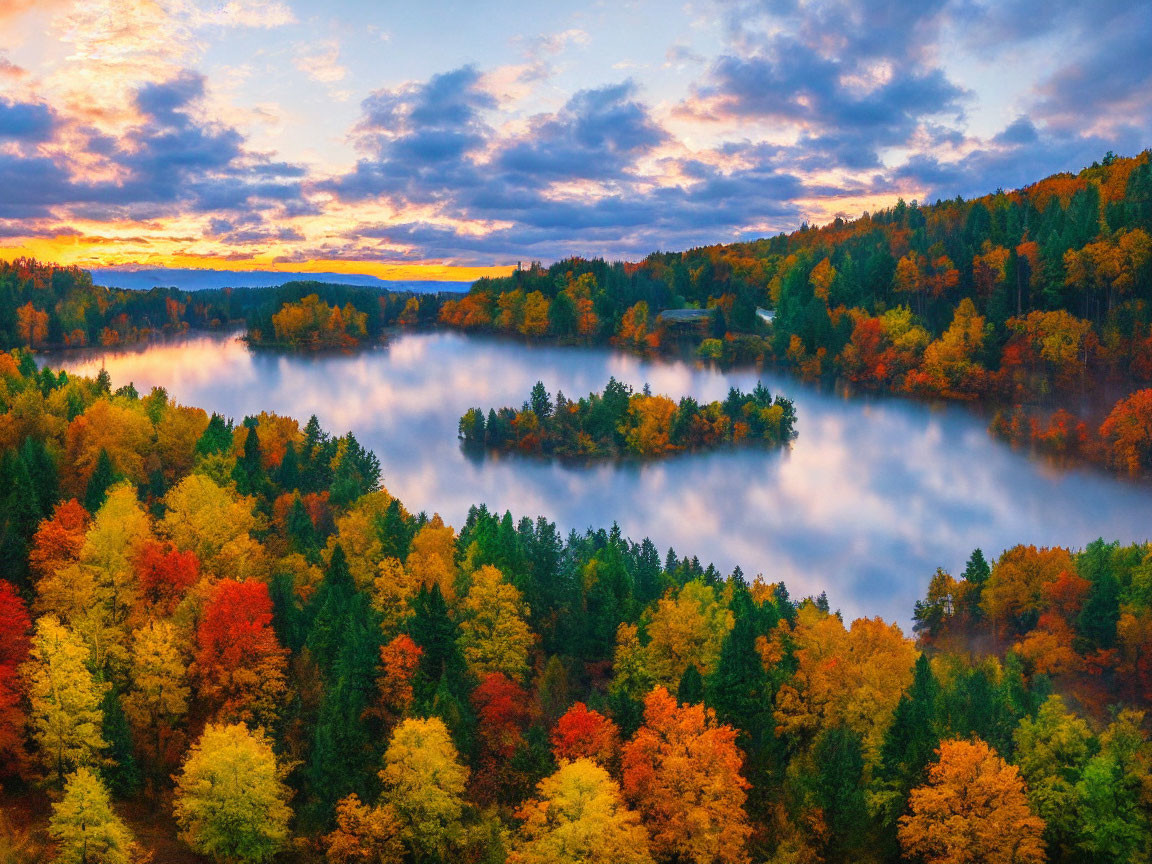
{"type": "Point", "coordinates": [165, 575]}
{"type": "Point", "coordinates": [582, 733]}
{"type": "Point", "coordinates": [239, 662]}
{"type": "Point", "coordinates": [14, 644]}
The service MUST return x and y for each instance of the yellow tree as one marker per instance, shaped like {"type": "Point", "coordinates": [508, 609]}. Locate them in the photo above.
{"type": "Point", "coordinates": [114, 425]}
{"type": "Point", "coordinates": [630, 675]}
{"type": "Point", "coordinates": [392, 589]}
{"type": "Point", "coordinates": [424, 783]}
{"type": "Point", "coordinates": [357, 534]}
{"type": "Point", "coordinates": [579, 815]}
{"type": "Point", "coordinates": [651, 418]}
{"type": "Point", "coordinates": [821, 278]}
{"type": "Point", "coordinates": [66, 718]}
{"type": "Point", "coordinates": [204, 517]}
{"type": "Point", "coordinates": [689, 629]}
{"type": "Point", "coordinates": [230, 801]}
{"type": "Point", "coordinates": [158, 697]}
{"type": "Point", "coordinates": [494, 635]}
{"type": "Point", "coordinates": [119, 530]}
{"type": "Point", "coordinates": [86, 828]}
{"type": "Point", "coordinates": [854, 677]}
{"type": "Point", "coordinates": [535, 320]}
{"type": "Point", "coordinates": [972, 810]}
{"type": "Point", "coordinates": [431, 558]}
{"type": "Point", "coordinates": [682, 772]}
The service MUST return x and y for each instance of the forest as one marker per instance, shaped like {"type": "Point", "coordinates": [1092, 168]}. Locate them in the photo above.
{"type": "Point", "coordinates": [228, 642]}
{"type": "Point", "coordinates": [619, 422]}
{"type": "Point", "coordinates": [44, 306]}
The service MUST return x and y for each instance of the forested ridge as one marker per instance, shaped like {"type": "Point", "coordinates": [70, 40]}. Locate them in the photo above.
{"type": "Point", "coordinates": [235, 631]}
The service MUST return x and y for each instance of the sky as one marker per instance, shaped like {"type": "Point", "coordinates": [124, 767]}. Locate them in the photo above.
{"type": "Point", "coordinates": [447, 140]}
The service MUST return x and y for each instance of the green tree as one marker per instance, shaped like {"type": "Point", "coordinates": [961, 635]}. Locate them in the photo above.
{"type": "Point", "coordinates": [840, 792]}
{"type": "Point", "coordinates": [104, 476]}
{"type": "Point", "coordinates": [1051, 751]}
{"type": "Point", "coordinates": [1113, 797]}
{"type": "Point", "coordinates": [345, 642]}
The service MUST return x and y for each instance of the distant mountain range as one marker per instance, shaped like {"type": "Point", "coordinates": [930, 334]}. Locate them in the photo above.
{"type": "Point", "coordinates": [190, 279]}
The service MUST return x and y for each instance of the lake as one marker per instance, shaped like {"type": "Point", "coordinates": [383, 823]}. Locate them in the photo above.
{"type": "Point", "coordinates": [873, 496]}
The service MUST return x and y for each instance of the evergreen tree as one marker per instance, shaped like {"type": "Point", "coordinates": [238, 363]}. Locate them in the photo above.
{"type": "Point", "coordinates": [216, 438]}
{"type": "Point", "coordinates": [1101, 611]}
{"type": "Point", "coordinates": [909, 747]}
{"type": "Point", "coordinates": [344, 639]}
{"type": "Point", "coordinates": [103, 477]}
{"type": "Point", "coordinates": [540, 401]}
{"type": "Point", "coordinates": [691, 688]}
{"type": "Point", "coordinates": [122, 773]}
{"type": "Point", "coordinates": [840, 792]}
{"type": "Point", "coordinates": [300, 530]}
{"type": "Point", "coordinates": [288, 473]}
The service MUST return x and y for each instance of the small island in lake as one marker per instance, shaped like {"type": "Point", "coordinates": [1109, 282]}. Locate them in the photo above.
{"type": "Point", "coordinates": [312, 325]}
{"type": "Point", "coordinates": [620, 422]}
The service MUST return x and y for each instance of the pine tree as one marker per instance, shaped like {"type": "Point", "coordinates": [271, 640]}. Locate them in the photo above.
{"type": "Point", "coordinates": [122, 772]}
{"type": "Point", "coordinates": [691, 688]}
{"type": "Point", "coordinates": [909, 746]}
{"type": "Point", "coordinates": [344, 639]}
{"type": "Point", "coordinates": [300, 530]}
{"type": "Point", "coordinates": [840, 792]}
{"type": "Point", "coordinates": [103, 478]}
{"type": "Point", "coordinates": [216, 438]}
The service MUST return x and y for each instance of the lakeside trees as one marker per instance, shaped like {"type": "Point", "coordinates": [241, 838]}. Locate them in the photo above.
{"type": "Point", "coordinates": [299, 667]}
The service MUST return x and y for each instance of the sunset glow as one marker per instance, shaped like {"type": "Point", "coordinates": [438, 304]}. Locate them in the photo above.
{"type": "Point", "coordinates": [306, 136]}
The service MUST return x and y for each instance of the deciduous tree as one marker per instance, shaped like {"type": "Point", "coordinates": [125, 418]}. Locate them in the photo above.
{"type": "Point", "coordinates": [973, 810]}
{"type": "Point", "coordinates": [230, 802]}
{"type": "Point", "coordinates": [579, 815]}
{"type": "Point", "coordinates": [682, 773]}
{"type": "Point", "coordinates": [494, 633]}
{"type": "Point", "coordinates": [424, 783]}
{"type": "Point", "coordinates": [86, 828]}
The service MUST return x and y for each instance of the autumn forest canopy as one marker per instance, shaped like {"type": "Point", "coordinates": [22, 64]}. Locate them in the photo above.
{"type": "Point", "coordinates": [228, 641]}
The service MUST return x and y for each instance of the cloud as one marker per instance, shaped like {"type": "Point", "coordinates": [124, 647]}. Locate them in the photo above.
{"type": "Point", "coordinates": [260, 14]}
{"type": "Point", "coordinates": [1107, 82]}
{"type": "Point", "coordinates": [321, 62]}
{"type": "Point", "coordinates": [597, 135]}
{"type": "Point", "coordinates": [26, 121]}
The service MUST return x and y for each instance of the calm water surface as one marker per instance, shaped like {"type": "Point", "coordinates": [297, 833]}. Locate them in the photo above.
{"type": "Point", "coordinates": [874, 494]}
